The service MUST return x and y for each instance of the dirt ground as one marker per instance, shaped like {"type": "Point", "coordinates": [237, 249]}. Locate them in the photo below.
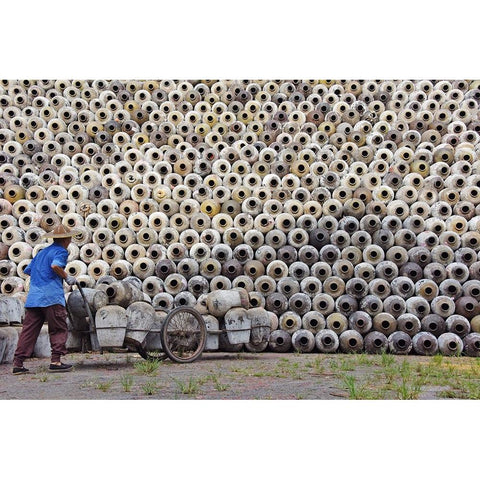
{"type": "Point", "coordinates": [246, 376]}
{"type": "Point", "coordinates": [246, 434]}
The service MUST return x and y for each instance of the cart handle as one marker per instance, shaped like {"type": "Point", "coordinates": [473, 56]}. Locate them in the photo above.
{"type": "Point", "coordinates": [87, 306]}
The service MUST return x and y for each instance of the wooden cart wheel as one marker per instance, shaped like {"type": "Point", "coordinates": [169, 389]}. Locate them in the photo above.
{"type": "Point", "coordinates": [184, 334]}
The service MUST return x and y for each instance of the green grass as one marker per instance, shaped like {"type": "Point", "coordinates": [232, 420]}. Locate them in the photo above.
{"type": "Point", "coordinates": [382, 376]}
{"type": "Point", "coordinates": [147, 367]}
{"type": "Point", "coordinates": [349, 383]}
{"type": "Point", "coordinates": [401, 378]}
{"type": "Point", "coordinates": [242, 371]}
{"type": "Point", "coordinates": [408, 390]}
{"type": "Point", "coordinates": [127, 382]}
{"type": "Point", "coordinates": [103, 386]}
{"type": "Point", "coordinates": [387, 359]}
{"type": "Point", "coordinates": [475, 371]}
{"type": "Point", "coordinates": [436, 360]}
{"type": "Point", "coordinates": [462, 379]}
{"type": "Point", "coordinates": [150, 387]}
{"type": "Point", "coordinates": [462, 389]}
{"type": "Point", "coordinates": [316, 365]}
{"type": "Point", "coordinates": [355, 391]}
{"type": "Point", "coordinates": [220, 387]}
{"type": "Point", "coordinates": [190, 387]}
{"type": "Point", "coordinates": [363, 376]}
{"type": "Point", "coordinates": [343, 364]}
{"type": "Point", "coordinates": [365, 360]}
{"type": "Point", "coordinates": [449, 394]}
{"type": "Point", "coordinates": [287, 369]}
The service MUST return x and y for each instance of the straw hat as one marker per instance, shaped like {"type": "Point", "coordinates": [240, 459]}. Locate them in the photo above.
{"type": "Point", "coordinates": [61, 231]}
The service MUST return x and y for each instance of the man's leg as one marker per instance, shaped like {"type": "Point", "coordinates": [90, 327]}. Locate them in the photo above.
{"type": "Point", "coordinates": [32, 324]}
{"type": "Point", "coordinates": [56, 316]}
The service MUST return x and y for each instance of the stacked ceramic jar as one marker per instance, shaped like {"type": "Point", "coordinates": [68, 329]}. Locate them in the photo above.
{"type": "Point", "coordinates": [347, 209]}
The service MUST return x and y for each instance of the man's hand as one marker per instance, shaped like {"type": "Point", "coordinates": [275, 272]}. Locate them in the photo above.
{"type": "Point", "coordinates": [70, 280]}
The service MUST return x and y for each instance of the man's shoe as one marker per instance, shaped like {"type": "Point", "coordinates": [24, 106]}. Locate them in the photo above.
{"type": "Point", "coordinates": [20, 370]}
{"type": "Point", "coordinates": [63, 367]}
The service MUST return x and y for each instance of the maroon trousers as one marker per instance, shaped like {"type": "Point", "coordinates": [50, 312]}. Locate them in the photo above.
{"type": "Point", "coordinates": [56, 318]}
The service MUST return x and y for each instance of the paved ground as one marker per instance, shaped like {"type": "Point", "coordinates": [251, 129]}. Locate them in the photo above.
{"type": "Point", "coordinates": [238, 438]}
{"type": "Point", "coordinates": [248, 376]}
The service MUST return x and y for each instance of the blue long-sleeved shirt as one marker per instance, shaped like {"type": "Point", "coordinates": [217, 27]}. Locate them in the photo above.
{"type": "Point", "coordinates": [46, 287]}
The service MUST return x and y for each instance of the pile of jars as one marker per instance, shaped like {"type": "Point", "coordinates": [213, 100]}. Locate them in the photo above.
{"type": "Point", "coordinates": [348, 209]}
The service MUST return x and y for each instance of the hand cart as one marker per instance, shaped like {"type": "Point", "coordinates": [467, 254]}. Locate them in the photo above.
{"type": "Point", "coordinates": [183, 335]}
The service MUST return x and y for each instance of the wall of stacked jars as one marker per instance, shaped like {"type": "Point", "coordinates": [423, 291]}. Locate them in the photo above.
{"type": "Point", "coordinates": [350, 210]}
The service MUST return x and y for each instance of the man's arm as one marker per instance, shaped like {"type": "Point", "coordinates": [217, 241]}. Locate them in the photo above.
{"type": "Point", "coordinates": [64, 275]}
{"type": "Point", "coordinates": [60, 271]}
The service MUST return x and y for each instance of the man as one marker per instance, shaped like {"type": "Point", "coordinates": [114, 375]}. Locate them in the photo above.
{"type": "Point", "coordinates": [46, 302]}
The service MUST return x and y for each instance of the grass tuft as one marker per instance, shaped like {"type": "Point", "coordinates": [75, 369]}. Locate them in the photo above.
{"type": "Point", "coordinates": [147, 367]}
{"type": "Point", "coordinates": [355, 392]}
{"type": "Point", "coordinates": [103, 386]}
{"type": "Point", "coordinates": [127, 382]}
{"type": "Point", "coordinates": [187, 388]}
{"type": "Point", "coordinates": [150, 387]}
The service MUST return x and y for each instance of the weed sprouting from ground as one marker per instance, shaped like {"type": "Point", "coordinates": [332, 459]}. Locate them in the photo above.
{"type": "Point", "coordinates": [127, 382]}
{"type": "Point", "coordinates": [408, 390]}
{"type": "Point", "coordinates": [350, 384]}
{"type": "Point", "coordinates": [220, 387]}
{"type": "Point", "coordinates": [387, 360]}
{"type": "Point", "coordinates": [343, 364]}
{"type": "Point", "coordinates": [150, 387]}
{"type": "Point", "coordinates": [355, 391]}
{"type": "Point", "coordinates": [147, 367]}
{"type": "Point", "coordinates": [287, 369]}
{"type": "Point", "coordinates": [242, 371]}
{"type": "Point", "coordinates": [316, 365]}
{"type": "Point", "coordinates": [437, 360]}
{"type": "Point", "coordinates": [104, 386]}
{"type": "Point", "coordinates": [190, 387]}
{"type": "Point", "coordinates": [365, 360]}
